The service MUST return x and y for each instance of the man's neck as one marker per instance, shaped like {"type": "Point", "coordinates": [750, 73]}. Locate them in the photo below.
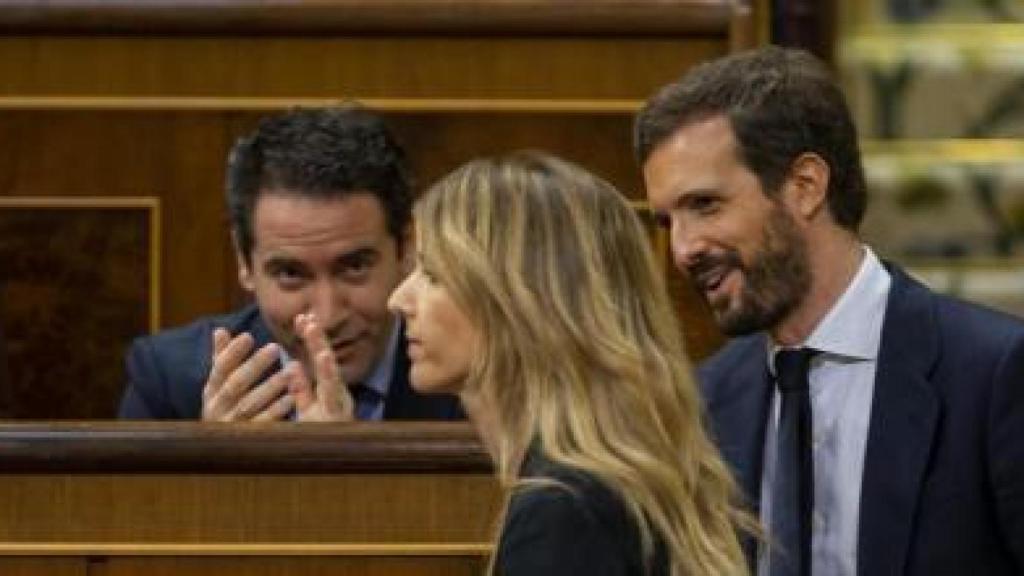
{"type": "Point", "coordinates": [834, 262]}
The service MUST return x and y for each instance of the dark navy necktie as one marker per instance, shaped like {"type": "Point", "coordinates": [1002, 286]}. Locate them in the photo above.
{"type": "Point", "coordinates": [793, 487]}
{"type": "Point", "coordinates": [366, 400]}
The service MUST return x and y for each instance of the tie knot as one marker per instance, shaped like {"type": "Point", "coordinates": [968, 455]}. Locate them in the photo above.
{"type": "Point", "coordinates": [362, 393]}
{"type": "Point", "coordinates": [791, 368]}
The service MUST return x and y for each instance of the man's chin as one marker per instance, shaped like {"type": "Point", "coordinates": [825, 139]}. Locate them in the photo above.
{"type": "Point", "coordinates": [737, 322]}
{"type": "Point", "coordinates": [352, 373]}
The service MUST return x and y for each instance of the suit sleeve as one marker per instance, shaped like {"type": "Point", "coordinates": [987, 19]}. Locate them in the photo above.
{"type": "Point", "coordinates": [1006, 448]}
{"type": "Point", "coordinates": [552, 531]}
{"type": "Point", "coordinates": [145, 393]}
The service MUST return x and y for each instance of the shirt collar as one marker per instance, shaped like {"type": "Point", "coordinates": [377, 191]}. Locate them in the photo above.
{"type": "Point", "coordinates": [379, 379]}
{"type": "Point", "coordinates": [852, 328]}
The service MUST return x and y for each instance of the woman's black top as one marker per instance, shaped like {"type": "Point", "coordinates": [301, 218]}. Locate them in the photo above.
{"type": "Point", "coordinates": [582, 528]}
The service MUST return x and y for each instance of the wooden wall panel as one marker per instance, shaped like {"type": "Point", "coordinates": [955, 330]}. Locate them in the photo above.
{"type": "Point", "coordinates": [30, 566]}
{"type": "Point", "coordinates": [138, 99]}
{"type": "Point", "coordinates": [440, 142]}
{"type": "Point", "coordinates": [176, 156]}
{"type": "Point", "coordinates": [378, 67]}
{"type": "Point", "coordinates": [252, 510]}
{"type": "Point", "coordinates": [80, 272]}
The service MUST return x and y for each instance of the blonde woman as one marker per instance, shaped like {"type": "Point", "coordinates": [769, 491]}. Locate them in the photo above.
{"type": "Point", "coordinates": [537, 299]}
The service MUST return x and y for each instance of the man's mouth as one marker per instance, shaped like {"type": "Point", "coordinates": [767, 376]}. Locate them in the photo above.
{"type": "Point", "coordinates": [711, 277]}
{"type": "Point", "coordinates": [342, 346]}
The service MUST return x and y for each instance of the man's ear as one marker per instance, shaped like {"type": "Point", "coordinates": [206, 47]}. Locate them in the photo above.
{"type": "Point", "coordinates": [807, 185]}
{"type": "Point", "coordinates": [245, 275]}
{"type": "Point", "coordinates": [407, 249]}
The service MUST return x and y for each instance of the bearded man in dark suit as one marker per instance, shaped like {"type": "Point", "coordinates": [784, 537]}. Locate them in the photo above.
{"type": "Point", "coordinates": [903, 450]}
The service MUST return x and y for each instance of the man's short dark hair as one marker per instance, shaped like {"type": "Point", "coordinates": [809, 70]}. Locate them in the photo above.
{"type": "Point", "coordinates": [781, 103]}
{"type": "Point", "coordinates": [320, 153]}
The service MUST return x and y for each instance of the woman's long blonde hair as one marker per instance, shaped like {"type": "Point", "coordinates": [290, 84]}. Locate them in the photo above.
{"type": "Point", "coordinates": [581, 351]}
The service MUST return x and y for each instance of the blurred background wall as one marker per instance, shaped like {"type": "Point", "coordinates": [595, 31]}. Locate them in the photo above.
{"type": "Point", "coordinates": [116, 118]}
{"type": "Point", "coordinates": [937, 88]}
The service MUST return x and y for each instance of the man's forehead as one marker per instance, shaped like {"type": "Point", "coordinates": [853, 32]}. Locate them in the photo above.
{"type": "Point", "coordinates": [277, 196]}
{"type": "Point", "coordinates": [288, 254]}
{"type": "Point", "coordinates": [301, 215]}
{"type": "Point", "coordinates": [319, 230]}
{"type": "Point", "coordinates": [705, 134]}
{"type": "Point", "coordinates": [694, 143]}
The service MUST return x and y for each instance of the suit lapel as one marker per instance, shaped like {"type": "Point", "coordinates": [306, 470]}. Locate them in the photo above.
{"type": "Point", "coordinates": [395, 405]}
{"type": "Point", "coordinates": [260, 332]}
{"type": "Point", "coordinates": [904, 417]}
{"type": "Point", "coordinates": [737, 389]}
{"type": "Point", "coordinates": [738, 405]}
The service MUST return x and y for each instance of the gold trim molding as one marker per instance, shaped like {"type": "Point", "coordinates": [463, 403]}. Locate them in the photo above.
{"type": "Point", "coordinates": [247, 549]}
{"type": "Point", "coordinates": [257, 104]}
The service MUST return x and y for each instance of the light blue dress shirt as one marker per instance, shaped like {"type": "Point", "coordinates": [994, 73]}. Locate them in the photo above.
{"type": "Point", "coordinates": [379, 379]}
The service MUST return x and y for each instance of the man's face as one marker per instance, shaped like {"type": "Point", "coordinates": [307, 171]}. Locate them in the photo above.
{"type": "Point", "coordinates": [743, 251]}
{"type": "Point", "coordinates": [334, 258]}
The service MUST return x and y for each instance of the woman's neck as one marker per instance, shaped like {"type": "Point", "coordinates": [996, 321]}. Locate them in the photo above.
{"type": "Point", "coordinates": [483, 417]}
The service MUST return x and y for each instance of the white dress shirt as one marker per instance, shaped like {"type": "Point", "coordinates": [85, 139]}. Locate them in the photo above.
{"type": "Point", "coordinates": [842, 382]}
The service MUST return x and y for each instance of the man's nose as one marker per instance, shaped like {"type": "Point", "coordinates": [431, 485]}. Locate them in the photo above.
{"type": "Point", "coordinates": [688, 244]}
{"type": "Point", "coordinates": [330, 304]}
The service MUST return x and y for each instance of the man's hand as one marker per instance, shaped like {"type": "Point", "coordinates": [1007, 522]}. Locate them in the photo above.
{"type": "Point", "coordinates": [328, 398]}
{"type": "Point", "coordinates": [233, 391]}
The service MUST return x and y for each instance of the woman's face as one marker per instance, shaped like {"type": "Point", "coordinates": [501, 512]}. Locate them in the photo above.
{"type": "Point", "coordinates": [442, 342]}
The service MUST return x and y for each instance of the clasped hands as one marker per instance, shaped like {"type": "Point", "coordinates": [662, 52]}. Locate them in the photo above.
{"type": "Point", "coordinates": [234, 392]}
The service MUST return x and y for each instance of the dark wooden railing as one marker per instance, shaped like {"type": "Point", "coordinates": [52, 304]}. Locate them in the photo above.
{"type": "Point", "coordinates": [278, 448]}
{"type": "Point", "coordinates": [637, 17]}
{"type": "Point", "coordinates": [187, 498]}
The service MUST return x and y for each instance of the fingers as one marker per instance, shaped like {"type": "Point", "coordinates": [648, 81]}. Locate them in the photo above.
{"type": "Point", "coordinates": [332, 393]}
{"type": "Point", "coordinates": [231, 391]}
{"type": "Point", "coordinates": [227, 356]}
{"type": "Point", "coordinates": [313, 336]}
{"type": "Point", "coordinates": [221, 338]}
{"type": "Point", "coordinates": [332, 398]}
{"type": "Point", "coordinates": [282, 401]}
{"type": "Point", "coordinates": [269, 400]}
{"type": "Point", "coordinates": [300, 388]}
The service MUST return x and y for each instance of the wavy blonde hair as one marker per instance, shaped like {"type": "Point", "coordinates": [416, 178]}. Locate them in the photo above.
{"type": "Point", "coordinates": [581, 351]}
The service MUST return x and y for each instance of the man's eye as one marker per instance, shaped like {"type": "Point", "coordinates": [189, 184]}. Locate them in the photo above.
{"type": "Point", "coordinates": [357, 268]}
{"type": "Point", "coordinates": [288, 277]}
{"type": "Point", "coordinates": [703, 204]}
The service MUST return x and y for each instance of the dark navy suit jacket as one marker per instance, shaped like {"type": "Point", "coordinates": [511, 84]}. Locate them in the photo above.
{"type": "Point", "coordinates": [943, 485]}
{"type": "Point", "coordinates": [166, 373]}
